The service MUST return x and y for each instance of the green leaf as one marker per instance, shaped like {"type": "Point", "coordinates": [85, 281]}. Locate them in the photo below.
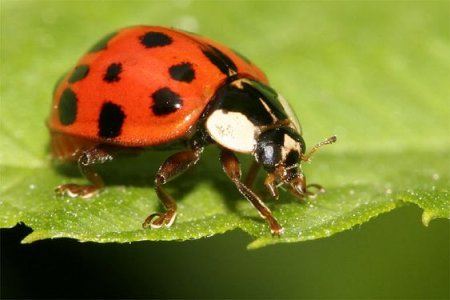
{"type": "Point", "coordinates": [377, 76]}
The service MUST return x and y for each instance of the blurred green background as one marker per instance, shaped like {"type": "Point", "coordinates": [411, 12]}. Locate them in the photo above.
{"type": "Point", "coordinates": [383, 65]}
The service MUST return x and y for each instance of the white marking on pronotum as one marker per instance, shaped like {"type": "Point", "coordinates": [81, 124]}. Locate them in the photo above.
{"type": "Point", "coordinates": [289, 144]}
{"type": "Point", "coordinates": [232, 130]}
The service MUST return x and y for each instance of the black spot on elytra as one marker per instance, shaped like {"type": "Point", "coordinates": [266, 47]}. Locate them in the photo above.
{"type": "Point", "coordinates": [165, 102]}
{"type": "Point", "coordinates": [79, 73]}
{"type": "Point", "coordinates": [112, 73]}
{"type": "Point", "coordinates": [154, 39]}
{"type": "Point", "coordinates": [182, 72]}
{"type": "Point", "coordinates": [103, 43]}
{"type": "Point", "coordinates": [220, 60]}
{"type": "Point", "coordinates": [67, 107]}
{"type": "Point", "coordinates": [110, 120]}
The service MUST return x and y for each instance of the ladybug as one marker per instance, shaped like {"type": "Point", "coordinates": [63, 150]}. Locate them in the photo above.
{"type": "Point", "coordinates": [154, 87]}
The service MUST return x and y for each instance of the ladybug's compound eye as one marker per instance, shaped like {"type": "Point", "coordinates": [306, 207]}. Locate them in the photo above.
{"type": "Point", "coordinates": [268, 155]}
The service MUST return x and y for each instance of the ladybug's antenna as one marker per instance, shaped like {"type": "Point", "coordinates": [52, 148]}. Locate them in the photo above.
{"type": "Point", "coordinates": [328, 141]}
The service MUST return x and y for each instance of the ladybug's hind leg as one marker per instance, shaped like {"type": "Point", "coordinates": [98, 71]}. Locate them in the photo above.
{"type": "Point", "coordinates": [95, 155]}
{"type": "Point", "coordinates": [171, 168]}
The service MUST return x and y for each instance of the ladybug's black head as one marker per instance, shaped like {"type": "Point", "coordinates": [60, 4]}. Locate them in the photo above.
{"type": "Point", "coordinates": [280, 151]}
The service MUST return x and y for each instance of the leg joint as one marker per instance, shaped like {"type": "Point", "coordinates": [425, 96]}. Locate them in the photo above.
{"type": "Point", "coordinates": [160, 179]}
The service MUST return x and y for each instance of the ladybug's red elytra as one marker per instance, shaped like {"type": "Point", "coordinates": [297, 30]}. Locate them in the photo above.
{"type": "Point", "coordinates": [149, 86]}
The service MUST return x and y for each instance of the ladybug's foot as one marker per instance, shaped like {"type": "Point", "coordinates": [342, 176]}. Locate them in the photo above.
{"type": "Point", "coordinates": [75, 190]}
{"type": "Point", "coordinates": [96, 155]}
{"type": "Point", "coordinates": [318, 187]}
{"type": "Point", "coordinates": [173, 166]}
{"type": "Point", "coordinates": [275, 228]}
{"type": "Point", "coordinates": [157, 220]}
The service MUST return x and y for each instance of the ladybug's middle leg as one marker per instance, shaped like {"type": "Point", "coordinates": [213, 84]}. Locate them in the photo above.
{"type": "Point", "coordinates": [171, 168]}
{"type": "Point", "coordinates": [230, 164]}
{"type": "Point", "coordinates": [95, 155]}
{"type": "Point", "coordinates": [251, 174]}
{"type": "Point", "coordinates": [270, 182]}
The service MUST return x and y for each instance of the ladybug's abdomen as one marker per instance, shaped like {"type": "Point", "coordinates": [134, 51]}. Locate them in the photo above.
{"type": "Point", "coordinates": [143, 86]}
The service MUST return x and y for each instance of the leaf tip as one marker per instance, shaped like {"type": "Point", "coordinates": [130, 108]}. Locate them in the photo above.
{"type": "Point", "coordinates": [258, 243]}
{"type": "Point", "coordinates": [427, 216]}
{"type": "Point", "coordinates": [35, 236]}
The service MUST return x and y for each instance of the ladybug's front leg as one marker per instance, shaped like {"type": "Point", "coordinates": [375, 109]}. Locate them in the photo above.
{"type": "Point", "coordinates": [171, 168]}
{"type": "Point", "coordinates": [95, 155]}
{"type": "Point", "coordinates": [230, 164]}
{"type": "Point", "coordinates": [307, 193]}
